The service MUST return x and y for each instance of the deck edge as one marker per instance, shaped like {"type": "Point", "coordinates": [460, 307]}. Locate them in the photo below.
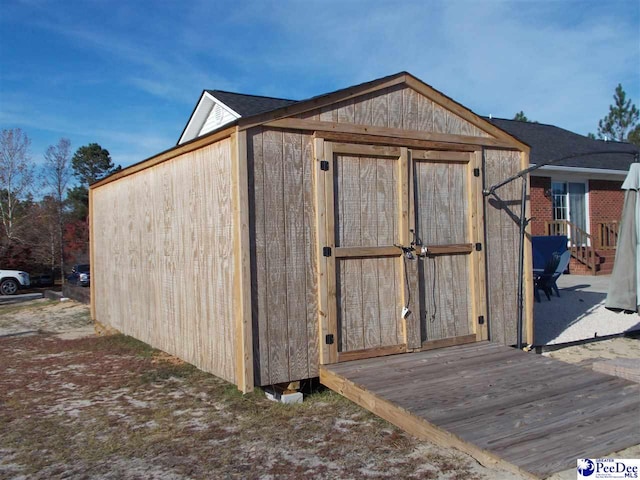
{"type": "Point", "coordinates": [412, 424]}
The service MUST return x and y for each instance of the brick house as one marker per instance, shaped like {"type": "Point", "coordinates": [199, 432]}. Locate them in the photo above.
{"type": "Point", "coordinates": [580, 196]}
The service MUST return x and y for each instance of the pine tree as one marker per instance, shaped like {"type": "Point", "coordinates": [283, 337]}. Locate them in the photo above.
{"type": "Point", "coordinates": [620, 123]}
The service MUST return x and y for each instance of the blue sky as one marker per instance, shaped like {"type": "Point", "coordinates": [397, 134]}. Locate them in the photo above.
{"type": "Point", "coordinates": [127, 74]}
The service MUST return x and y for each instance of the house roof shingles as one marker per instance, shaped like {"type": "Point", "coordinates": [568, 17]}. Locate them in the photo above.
{"type": "Point", "coordinates": [248, 105]}
{"type": "Point", "coordinates": [549, 142]}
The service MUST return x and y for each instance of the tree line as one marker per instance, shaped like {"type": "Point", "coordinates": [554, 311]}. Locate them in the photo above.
{"type": "Point", "coordinates": [44, 206]}
{"type": "Point", "coordinates": [621, 124]}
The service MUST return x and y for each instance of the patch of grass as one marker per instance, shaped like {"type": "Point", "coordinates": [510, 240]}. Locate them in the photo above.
{"type": "Point", "coordinates": [118, 344]}
{"type": "Point", "coordinates": [15, 308]}
{"type": "Point", "coordinates": [82, 317]}
{"type": "Point", "coordinates": [230, 393]}
{"type": "Point", "coordinates": [165, 370]}
{"type": "Point", "coordinates": [129, 344]}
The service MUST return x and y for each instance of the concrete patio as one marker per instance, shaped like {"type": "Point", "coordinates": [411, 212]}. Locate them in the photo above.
{"type": "Point", "coordinates": [579, 313]}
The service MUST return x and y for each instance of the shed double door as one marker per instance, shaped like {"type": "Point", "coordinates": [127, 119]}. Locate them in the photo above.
{"type": "Point", "coordinates": [373, 200]}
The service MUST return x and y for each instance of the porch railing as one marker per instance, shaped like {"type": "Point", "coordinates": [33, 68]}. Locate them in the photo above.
{"type": "Point", "coordinates": [607, 235]}
{"type": "Point", "coordinates": [580, 242]}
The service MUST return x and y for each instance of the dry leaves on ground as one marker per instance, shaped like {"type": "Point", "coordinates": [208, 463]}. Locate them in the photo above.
{"type": "Point", "coordinates": [111, 407]}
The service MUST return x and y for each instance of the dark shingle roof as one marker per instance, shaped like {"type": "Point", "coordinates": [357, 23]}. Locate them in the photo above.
{"type": "Point", "coordinates": [548, 142]}
{"type": "Point", "coordinates": [247, 105]}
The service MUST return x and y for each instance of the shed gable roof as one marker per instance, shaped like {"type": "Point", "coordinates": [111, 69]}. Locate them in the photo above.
{"type": "Point", "coordinates": [255, 109]}
{"type": "Point", "coordinates": [218, 108]}
{"type": "Point", "coordinates": [549, 142]}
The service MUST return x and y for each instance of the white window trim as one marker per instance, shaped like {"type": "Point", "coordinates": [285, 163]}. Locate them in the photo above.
{"type": "Point", "coordinates": [587, 196]}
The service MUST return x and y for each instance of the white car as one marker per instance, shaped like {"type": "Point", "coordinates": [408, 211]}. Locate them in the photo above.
{"type": "Point", "coordinates": [13, 280]}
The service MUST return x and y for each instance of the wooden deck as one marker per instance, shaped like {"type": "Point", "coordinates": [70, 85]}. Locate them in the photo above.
{"type": "Point", "coordinates": [521, 411]}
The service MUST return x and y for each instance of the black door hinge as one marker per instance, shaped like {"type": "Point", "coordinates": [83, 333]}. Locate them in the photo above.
{"type": "Point", "coordinates": [329, 339]}
{"type": "Point", "coordinates": [324, 165]}
{"type": "Point", "coordinates": [326, 251]}
{"type": "Point", "coordinates": [476, 172]}
{"type": "Point", "coordinates": [481, 320]}
{"type": "Point", "coordinates": [478, 247]}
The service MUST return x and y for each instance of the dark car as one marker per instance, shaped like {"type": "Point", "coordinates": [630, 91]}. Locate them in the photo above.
{"type": "Point", "coordinates": [44, 280]}
{"type": "Point", "coordinates": [80, 275]}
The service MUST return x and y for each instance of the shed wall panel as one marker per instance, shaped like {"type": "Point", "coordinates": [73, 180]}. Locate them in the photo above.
{"type": "Point", "coordinates": [442, 218]}
{"type": "Point", "coordinates": [502, 245]}
{"type": "Point", "coordinates": [396, 107]}
{"type": "Point", "coordinates": [283, 263]}
{"type": "Point", "coordinates": [163, 257]}
{"type": "Point", "coordinates": [366, 201]}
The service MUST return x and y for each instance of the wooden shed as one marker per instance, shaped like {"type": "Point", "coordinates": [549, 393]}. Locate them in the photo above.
{"type": "Point", "coordinates": [268, 241]}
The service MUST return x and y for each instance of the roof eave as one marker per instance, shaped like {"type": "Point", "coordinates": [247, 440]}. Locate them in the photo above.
{"type": "Point", "coordinates": [208, 138]}
{"type": "Point", "coordinates": [601, 172]}
{"type": "Point", "coordinates": [184, 130]}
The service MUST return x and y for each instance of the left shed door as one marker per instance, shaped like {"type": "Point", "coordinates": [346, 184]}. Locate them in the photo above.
{"type": "Point", "coordinates": [366, 211]}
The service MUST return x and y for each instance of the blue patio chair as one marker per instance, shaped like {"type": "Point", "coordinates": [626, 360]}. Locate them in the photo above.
{"type": "Point", "coordinates": [544, 281]}
{"type": "Point", "coordinates": [547, 253]}
{"type": "Point", "coordinates": [560, 269]}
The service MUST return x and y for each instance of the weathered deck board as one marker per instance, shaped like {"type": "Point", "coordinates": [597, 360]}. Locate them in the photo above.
{"type": "Point", "coordinates": [526, 413]}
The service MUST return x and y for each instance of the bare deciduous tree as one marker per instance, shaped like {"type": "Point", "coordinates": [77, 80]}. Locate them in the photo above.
{"type": "Point", "coordinates": [57, 173]}
{"type": "Point", "coordinates": [16, 182]}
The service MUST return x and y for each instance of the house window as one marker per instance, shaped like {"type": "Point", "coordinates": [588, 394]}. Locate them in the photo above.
{"type": "Point", "coordinates": [560, 203]}
{"type": "Point", "coordinates": [570, 203]}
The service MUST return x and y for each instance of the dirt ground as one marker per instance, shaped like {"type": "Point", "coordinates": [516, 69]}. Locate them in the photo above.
{"type": "Point", "coordinates": [74, 405]}
{"type": "Point", "coordinates": [68, 318]}
{"type": "Point", "coordinates": [587, 353]}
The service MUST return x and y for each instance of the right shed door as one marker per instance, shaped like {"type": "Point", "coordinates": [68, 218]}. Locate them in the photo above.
{"type": "Point", "coordinates": [445, 209]}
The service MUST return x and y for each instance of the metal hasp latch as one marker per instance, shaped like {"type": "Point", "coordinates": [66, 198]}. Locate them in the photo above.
{"type": "Point", "coordinates": [406, 251]}
{"type": "Point", "coordinates": [415, 248]}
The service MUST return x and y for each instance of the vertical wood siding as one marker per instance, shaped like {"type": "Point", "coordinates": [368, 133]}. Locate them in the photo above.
{"type": "Point", "coordinates": [442, 217]}
{"type": "Point", "coordinates": [163, 257]}
{"type": "Point", "coordinates": [366, 202]}
{"type": "Point", "coordinates": [283, 263]}
{"type": "Point", "coordinates": [368, 302]}
{"type": "Point", "coordinates": [502, 245]}
{"type": "Point", "coordinates": [396, 107]}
